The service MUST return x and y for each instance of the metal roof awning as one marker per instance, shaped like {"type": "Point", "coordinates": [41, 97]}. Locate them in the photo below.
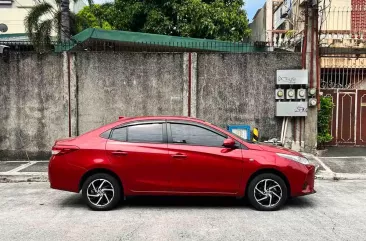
{"type": "Point", "coordinates": [103, 40]}
{"type": "Point", "coordinates": [14, 37]}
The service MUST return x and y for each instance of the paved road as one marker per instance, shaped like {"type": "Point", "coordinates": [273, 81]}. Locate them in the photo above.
{"type": "Point", "coordinates": [336, 151]}
{"type": "Point", "coordinates": [32, 211]}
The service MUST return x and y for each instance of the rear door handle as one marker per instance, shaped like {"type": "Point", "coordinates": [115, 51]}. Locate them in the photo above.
{"type": "Point", "coordinates": [119, 153]}
{"type": "Point", "coordinates": [179, 155]}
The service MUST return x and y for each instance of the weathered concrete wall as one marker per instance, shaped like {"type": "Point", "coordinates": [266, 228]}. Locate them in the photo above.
{"type": "Point", "coordinates": [225, 89]}
{"type": "Point", "coordinates": [127, 84]}
{"type": "Point", "coordinates": [240, 88]}
{"type": "Point", "coordinates": [33, 108]}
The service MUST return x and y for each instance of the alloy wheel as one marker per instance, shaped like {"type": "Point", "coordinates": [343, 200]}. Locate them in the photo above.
{"type": "Point", "coordinates": [267, 193]}
{"type": "Point", "coordinates": [100, 192]}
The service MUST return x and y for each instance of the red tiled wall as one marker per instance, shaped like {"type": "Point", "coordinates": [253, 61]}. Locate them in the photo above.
{"type": "Point", "coordinates": [358, 16]}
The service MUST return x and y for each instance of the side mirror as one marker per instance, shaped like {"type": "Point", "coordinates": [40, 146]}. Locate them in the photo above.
{"type": "Point", "coordinates": [229, 143]}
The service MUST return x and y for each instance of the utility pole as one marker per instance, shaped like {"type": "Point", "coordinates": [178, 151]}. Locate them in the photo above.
{"type": "Point", "coordinates": [311, 121]}
{"type": "Point", "coordinates": [65, 20]}
{"type": "Point", "coordinates": [69, 82]}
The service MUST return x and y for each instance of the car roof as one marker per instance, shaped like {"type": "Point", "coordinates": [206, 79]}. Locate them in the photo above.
{"type": "Point", "coordinates": [167, 117]}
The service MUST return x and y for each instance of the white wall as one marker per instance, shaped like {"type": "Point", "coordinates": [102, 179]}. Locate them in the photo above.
{"type": "Point", "coordinates": [13, 15]}
{"type": "Point", "coordinates": [258, 26]}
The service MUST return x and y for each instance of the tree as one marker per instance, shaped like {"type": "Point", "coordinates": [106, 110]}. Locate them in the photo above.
{"type": "Point", "coordinates": [211, 19]}
{"type": "Point", "coordinates": [95, 16]}
{"type": "Point", "coordinates": [44, 19]}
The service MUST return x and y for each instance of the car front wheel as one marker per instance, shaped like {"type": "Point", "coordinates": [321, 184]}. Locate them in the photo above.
{"type": "Point", "coordinates": [267, 192]}
{"type": "Point", "coordinates": [101, 192]}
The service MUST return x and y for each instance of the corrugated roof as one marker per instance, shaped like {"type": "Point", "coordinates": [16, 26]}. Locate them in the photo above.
{"type": "Point", "coordinates": [14, 37]}
{"type": "Point", "coordinates": [169, 42]}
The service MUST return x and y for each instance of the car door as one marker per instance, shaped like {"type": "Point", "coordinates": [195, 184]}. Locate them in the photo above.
{"type": "Point", "coordinates": [139, 151]}
{"type": "Point", "coordinates": [200, 163]}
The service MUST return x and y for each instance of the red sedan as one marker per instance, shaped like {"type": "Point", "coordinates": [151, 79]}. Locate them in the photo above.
{"type": "Point", "coordinates": [169, 155]}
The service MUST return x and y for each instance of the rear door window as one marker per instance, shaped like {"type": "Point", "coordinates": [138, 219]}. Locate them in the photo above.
{"type": "Point", "coordinates": [142, 133]}
{"type": "Point", "coordinates": [119, 134]}
{"type": "Point", "coordinates": [145, 133]}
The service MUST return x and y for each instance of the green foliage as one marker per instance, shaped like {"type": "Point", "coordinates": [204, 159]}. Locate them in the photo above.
{"type": "Point", "coordinates": [94, 17]}
{"type": "Point", "coordinates": [211, 19]}
{"type": "Point", "coordinates": [324, 118]}
{"type": "Point", "coordinates": [42, 21]}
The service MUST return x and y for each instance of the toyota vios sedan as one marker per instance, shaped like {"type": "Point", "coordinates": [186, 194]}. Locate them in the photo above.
{"type": "Point", "coordinates": [169, 155]}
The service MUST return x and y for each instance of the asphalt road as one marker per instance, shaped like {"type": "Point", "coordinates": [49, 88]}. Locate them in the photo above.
{"type": "Point", "coordinates": [32, 211]}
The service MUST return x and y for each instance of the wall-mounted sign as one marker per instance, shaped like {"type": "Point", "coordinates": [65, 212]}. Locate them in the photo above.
{"type": "Point", "coordinates": [292, 108]}
{"type": "Point", "coordinates": [292, 77]}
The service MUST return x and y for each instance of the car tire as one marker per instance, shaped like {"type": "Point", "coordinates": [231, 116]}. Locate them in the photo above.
{"type": "Point", "coordinates": [267, 192]}
{"type": "Point", "coordinates": [101, 192]}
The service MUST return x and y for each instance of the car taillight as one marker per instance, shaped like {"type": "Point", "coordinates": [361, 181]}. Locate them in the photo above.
{"type": "Point", "coordinates": [61, 150]}
{"type": "Point", "coordinates": [55, 152]}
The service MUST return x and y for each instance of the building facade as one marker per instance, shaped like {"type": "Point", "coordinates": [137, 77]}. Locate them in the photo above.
{"type": "Point", "coordinates": [342, 56]}
{"type": "Point", "coordinates": [13, 12]}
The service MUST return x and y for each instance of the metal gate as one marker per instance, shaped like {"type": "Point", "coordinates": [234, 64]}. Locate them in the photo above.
{"type": "Point", "coordinates": [348, 124]}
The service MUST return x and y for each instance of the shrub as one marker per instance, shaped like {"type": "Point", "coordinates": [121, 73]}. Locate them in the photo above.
{"type": "Point", "coordinates": [324, 118]}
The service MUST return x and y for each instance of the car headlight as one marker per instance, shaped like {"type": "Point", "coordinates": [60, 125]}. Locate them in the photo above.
{"type": "Point", "coordinates": [298, 159]}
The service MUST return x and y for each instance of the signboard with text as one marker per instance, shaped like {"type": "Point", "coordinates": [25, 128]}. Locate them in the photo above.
{"type": "Point", "coordinates": [292, 108]}
{"type": "Point", "coordinates": [292, 77]}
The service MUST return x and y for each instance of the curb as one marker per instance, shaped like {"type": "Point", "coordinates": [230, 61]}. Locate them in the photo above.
{"type": "Point", "coordinates": [324, 175]}
{"type": "Point", "coordinates": [33, 177]}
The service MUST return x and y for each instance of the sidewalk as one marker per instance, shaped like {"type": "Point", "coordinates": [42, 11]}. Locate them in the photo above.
{"type": "Point", "coordinates": [23, 171]}
{"type": "Point", "coordinates": [342, 163]}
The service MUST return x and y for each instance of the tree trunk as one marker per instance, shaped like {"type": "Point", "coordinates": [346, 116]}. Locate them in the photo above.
{"type": "Point", "coordinates": [65, 20]}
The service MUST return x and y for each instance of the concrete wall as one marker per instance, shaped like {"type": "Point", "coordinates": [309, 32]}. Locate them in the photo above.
{"type": "Point", "coordinates": [127, 84]}
{"type": "Point", "coordinates": [225, 89]}
{"type": "Point", "coordinates": [33, 107]}
{"type": "Point", "coordinates": [239, 89]}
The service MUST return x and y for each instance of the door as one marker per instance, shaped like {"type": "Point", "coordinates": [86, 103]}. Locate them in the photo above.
{"type": "Point", "coordinates": [140, 153]}
{"type": "Point", "coordinates": [361, 118]}
{"type": "Point", "coordinates": [200, 164]}
{"type": "Point", "coordinates": [346, 117]}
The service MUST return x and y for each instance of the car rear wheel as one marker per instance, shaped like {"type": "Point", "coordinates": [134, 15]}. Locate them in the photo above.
{"type": "Point", "coordinates": [101, 192]}
{"type": "Point", "coordinates": [267, 192]}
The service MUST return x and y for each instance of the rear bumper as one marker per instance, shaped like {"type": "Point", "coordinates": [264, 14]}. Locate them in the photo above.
{"type": "Point", "coordinates": [63, 176]}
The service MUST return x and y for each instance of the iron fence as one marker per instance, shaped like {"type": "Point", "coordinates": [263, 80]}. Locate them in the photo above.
{"type": "Point", "coordinates": [95, 45]}
{"type": "Point", "coordinates": [343, 72]}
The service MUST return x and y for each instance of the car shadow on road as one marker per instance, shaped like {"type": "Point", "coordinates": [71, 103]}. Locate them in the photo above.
{"type": "Point", "coordinates": [76, 201]}
{"type": "Point", "coordinates": [300, 203]}
{"type": "Point", "coordinates": [185, 202]}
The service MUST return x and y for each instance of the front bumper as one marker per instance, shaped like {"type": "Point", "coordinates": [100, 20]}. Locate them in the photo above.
{"type": "Point", "coordinates": [308, 184]}
{"type": "Point", "coordinates": [302, 181]}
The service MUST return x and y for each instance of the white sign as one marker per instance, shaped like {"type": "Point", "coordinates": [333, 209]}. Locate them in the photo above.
{"type": "Point", "coordinates": [292, 77]}
{"type": "Point", "coordinates": [292, 108]}
{"type": "Point", "coordinates": [243, 133]}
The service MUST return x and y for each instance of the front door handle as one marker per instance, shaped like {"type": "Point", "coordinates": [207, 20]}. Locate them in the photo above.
{"type": "Point", "coordinates": [179, 155]}
{"type": "Point", "coordinates": [119, 153]}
